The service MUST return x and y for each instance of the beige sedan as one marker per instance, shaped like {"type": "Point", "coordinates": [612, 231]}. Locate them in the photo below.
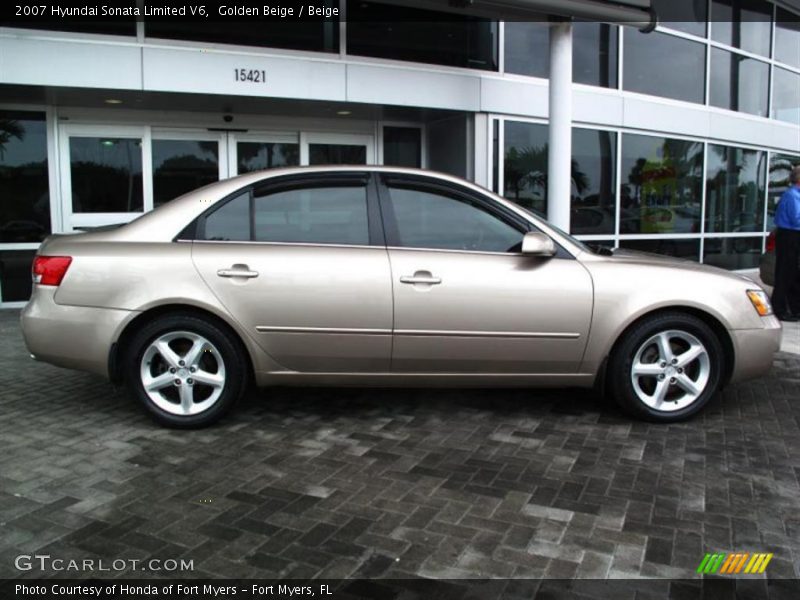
{"type": "Point", "coordinates": [380, 276]}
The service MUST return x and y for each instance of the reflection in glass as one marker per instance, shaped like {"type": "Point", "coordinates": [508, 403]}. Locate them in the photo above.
{"type": "Point", "coordinates": [648, 71]}
{"type": "Point", "coordinates": [525, 165]}
{"type": "Point", "coordinates": [15, 275]}
{"type": "Point", "coordinates": [180, 166]}
{"type": "Point", "coordinates": [679, 248]}
{"type": "Point", "coordinates": [402, 146]}
{"type": "Point", "coordinates": [735, 181]}
{"type": "Point", "coordinates": [402, 33]}
{"type": "Point", "coordinates": [337, 154]}
{"type": "Point", "coordinates": [743, 24]}
{"type": "Point", "coordinates": [257, 156]}
{"type": "Point", "coordinates": [739, 83]}
{"type": "Point", "coordinates": [593, 182]}
{"type": "Point", "coordinates": [24, 184]}
{"type": "Point", "coordinates": [787, 38]}
{"type": "Point", "coordinates": [527, 51]}
{"type": "Point", "coordinates": [786, 96]}
{"type": "Point", "coordinates": [661, 189]}
{"type": "Point", "coordinates": [780, 167]}
{"type": "Point", "coordinates": [733, 253]}
{"type": "Point", "coordinates": [689, 16]}
{"type": "Point", "coordinates": [106, 174]}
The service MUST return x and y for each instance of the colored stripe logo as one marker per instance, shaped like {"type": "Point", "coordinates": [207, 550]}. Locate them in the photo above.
{"type": "Point", "coordinates": [734, 563]}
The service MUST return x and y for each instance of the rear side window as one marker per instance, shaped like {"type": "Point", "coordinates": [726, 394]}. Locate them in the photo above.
{"type": "Point", "coordinates": [324, 214]}
{"type": "Point", "coordinates": [230, 222]}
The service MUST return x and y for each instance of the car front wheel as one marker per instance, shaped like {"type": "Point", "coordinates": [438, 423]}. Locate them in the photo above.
{"type": "Point", "coordinates": [187, 371]}
{"type": "Point", "coordinates": [666, 368]}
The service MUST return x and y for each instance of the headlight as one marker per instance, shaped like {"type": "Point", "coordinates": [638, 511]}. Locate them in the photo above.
{"type": "Point", "coordinates": [760, 302]}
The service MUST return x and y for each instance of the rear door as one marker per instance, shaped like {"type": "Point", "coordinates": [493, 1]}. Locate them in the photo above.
{"type": "Point", "coordinates": [300, 262]}
{"type": "Point", "coordinates": [466, 299]}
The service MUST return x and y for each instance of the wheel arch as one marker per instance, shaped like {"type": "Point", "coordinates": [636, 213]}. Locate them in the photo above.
{"type": "Point", "coordinates": [724, 337]}
{"type": "Point", "coordinates": [116, 353]}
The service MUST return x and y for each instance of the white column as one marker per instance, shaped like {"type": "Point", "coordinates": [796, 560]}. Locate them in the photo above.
{"type": "Point", "coordinates": [559, 173]}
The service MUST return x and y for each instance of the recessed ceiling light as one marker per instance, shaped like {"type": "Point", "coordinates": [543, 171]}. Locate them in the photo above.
{"type": "Point", "coordinates": [344, 113]}
{"type": "Point", "coordinates": [113, 101]}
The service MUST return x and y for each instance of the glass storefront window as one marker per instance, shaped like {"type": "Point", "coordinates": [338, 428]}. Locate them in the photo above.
{"type": "Point", "coordinates": [786, 96]}
{"type": "Point", "coordinates": [402, 146]}
{"type": "Point", "coordinates": [787, 37]}
{"type": "Point", "coordinates": [661, 188]}
{"type": "Point", "coordinates": [735, 181]}
{"type": "Point", "coordinates": [739, 83]}
{"type": "Point", "coordinates": [401, 33]}
{"type": "Point", "coordinates": [15, 275]}
{"type": "Point", "coordinates": [594, 53]}
{"type": "Point", "coordinates": [180, 166]}
{"type": "Point", "coordinates": [593, 210]}
{"type": "Point", "coordinates": [525, 165]}
{"type": "Point", "coordinates": [257, 156]}
{"type": "Point", "coordinates": [660, 64]}
{"type": "Point", "coordinates": [24, 183]}
{"type": "Point", "coordinates": [780, 167]}
{"type": "Point", "coordinates": [679, 248]}
{"type": "Point", "coordinates": [106, 174]}
{"type": "Point", "coordinates": [689, 16]}
{"type": "Point", "coordinates": [743, 24]}
{"type": "Point", "coordinates": [311, 34]}
{"type": "Point", "coordinates": [733, 253]}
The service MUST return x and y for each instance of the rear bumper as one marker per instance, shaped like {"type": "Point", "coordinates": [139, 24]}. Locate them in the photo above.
{"type": "Point", "coordinates": [75, 337]}
{"type": "Point", "coordinates": [755, 349]}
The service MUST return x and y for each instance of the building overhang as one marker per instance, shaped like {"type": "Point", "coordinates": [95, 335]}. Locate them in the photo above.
{"type": "Point", "coordinates": [633, 13]}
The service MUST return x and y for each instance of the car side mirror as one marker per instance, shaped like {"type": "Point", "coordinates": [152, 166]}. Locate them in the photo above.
{"type": "Point", "coordinates": [536, 243]}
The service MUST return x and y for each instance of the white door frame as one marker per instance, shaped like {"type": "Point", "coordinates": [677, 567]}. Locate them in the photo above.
{"type": "Point", "coordinates": [71, 220]}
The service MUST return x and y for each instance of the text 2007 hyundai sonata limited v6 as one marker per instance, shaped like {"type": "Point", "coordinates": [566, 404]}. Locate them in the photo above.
{"type": "Point", "coordinates": [382, 276]}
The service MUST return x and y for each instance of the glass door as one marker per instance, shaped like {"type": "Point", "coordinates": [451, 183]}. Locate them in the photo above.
{"type": "Point", "coordinates": [248, 152]}
{"type": "Point", "coordinates": [337, 149]}
{"type": "Point", "coordinates": [186, 160]}
{"type": "Point", "coordinates": [105, 173]}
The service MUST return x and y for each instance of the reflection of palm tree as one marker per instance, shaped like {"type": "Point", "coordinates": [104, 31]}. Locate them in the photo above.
{"type": "Point", "coordinates": [527, 168]}
{"type": "Point", "coordinates": [9, 128]}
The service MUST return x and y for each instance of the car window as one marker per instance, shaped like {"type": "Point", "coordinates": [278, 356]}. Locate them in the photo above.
{"type": "Point", "coordinates": [430, 219]}
{"type": "Point", "coordinates": [230, 222]}
{"type": "Point", "coordinates": [325, 214]}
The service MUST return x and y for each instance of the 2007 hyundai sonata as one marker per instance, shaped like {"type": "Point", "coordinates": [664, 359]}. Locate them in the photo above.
{"type": "Point", "coordinates": [382, 276]}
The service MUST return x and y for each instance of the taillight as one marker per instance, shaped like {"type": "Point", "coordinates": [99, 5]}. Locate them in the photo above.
{"type": "Point", "coordinates": [50, 270]}
{"type": "Point", "coordinates": [771, 242]}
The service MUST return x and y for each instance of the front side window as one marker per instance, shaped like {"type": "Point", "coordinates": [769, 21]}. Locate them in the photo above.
{"type": "Point", "coordinates": [328, 214]}
{"type": "Point", "coordinates": [433, 219]}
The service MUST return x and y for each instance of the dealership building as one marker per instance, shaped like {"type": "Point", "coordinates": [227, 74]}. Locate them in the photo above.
{"type": "Point", "coordinates": [677, 140]}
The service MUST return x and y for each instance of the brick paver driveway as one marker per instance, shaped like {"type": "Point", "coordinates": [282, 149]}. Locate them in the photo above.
{"type": "Point", "coordinates": [368, 483]}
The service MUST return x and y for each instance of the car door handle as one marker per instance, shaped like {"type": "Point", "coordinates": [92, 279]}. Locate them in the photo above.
{"type": "Point", "coordinates": [420, 278]}
{"type": "Point", "coordinates": [237, 271]}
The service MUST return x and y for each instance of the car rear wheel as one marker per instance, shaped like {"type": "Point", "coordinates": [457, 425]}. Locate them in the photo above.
{"type": "Point", "coordinates": [187, 371]}
{"type": "Point", "coordinates": [666, 368]}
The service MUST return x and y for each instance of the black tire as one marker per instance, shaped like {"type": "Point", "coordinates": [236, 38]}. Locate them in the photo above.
{"type": "Point", "coordinates": [227, 350]}
{"type": "Point", "coordinates": [620, 377]}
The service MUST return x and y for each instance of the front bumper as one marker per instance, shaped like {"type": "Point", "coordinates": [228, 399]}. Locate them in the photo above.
{"type": "Point", "coordinates": [75, 337]}
{"type": "Point", "coordinates": [755, 349]}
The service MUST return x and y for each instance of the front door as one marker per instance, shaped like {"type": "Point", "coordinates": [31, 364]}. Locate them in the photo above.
{"type": "Point", "coordinates": [307, 275]}
{"type": "Point", "coordinates": [466, 300]}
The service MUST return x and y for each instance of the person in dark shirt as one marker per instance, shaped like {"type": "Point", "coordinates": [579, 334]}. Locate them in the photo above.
{"type": "Point", "coordinates": [786, 295]}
